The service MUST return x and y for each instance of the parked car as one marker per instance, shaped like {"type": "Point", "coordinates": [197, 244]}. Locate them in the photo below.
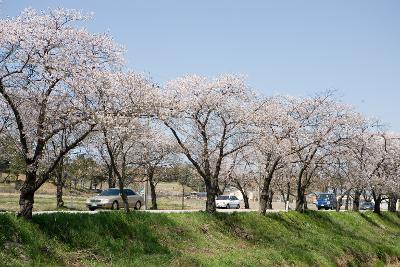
{"type": "Point", "coordinates": [326, 201]}
{"type": "Point", "coordinates": [227, 202]}
{"type": "Point", "coordinates": [111, 199]}
{"type": "Point", "coordinates": [367, 205]}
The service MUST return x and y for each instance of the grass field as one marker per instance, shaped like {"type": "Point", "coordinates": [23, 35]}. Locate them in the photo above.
{"type": "Point", "coordinates": [168, 198]}
{"type": "Point", "coordinates": [200, 239]}
{"type": "Point", "coordinates": [45, 198]}
{"type": "Point", "coordinates": [9, 202]}
{"type": "Point", "coordinates": [43, 202]}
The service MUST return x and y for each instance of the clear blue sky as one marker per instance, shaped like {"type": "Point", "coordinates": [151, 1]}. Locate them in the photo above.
{"type": "Point", "coordinates": [285, 47]}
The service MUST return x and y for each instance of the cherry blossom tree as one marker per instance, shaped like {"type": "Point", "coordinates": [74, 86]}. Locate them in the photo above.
{"type": "Point", "coordinates": [101, 149]}
{"type": "Point", "coordinates": [153, 150]}
{"type": "Point", "coordinates": [393, 169]}
{"type": "Point", "coordinates": [323, 124]}
{"type": "Point", "coordinates": [46, 79]}
{"type": "Point", "coordinates": [284, 182]}
{"type": "Point", "coordinates": [128, 101]}
{"type": "Point", "coordinates": [382, 167]}
{"type": "Point", "coordinates": [341, 170]}
{"type": "Point", "coordinates": [337, 174]}
{"type": "Point", "coordinates": [59, 172]}
{"type": "Point", "coordinates": [119, 145]}
{"type": "Point", "coordinates": [357, 164]}
{"type": "Point", "coordinates": [240, 172]}
{"type": "Point", "coordinates": [209, 120]}
{"type": "Point", "coordinates": [272, 147]}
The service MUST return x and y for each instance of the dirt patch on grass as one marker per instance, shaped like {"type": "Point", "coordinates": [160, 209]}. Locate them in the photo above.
{"type": "Point", "coordinates": [17, 249]}
{"type": "Point", "coordinates": [78, 258]}
{"type": "Point", "coordinates": [243, 234]}
{"type": "Point", "coordinates": [365, 260]}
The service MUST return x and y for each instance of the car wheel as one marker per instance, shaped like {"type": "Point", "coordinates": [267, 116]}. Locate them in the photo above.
{"type": "Point", "coordinates": [318, 208]}
{"type": "Point", "coordinates": [92, 209]}
{"type": "Point", "coordinates": [138, 205]}
{"type": "Point", "coordinates": [228, 206]}
{"type": "Point", "coordinates": [238, 206]}
{"type": "Point", "coordinates": [115, 205]}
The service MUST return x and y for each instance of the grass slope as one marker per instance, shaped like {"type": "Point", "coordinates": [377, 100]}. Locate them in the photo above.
{"type": "Point", "coordinates": [200, 239]}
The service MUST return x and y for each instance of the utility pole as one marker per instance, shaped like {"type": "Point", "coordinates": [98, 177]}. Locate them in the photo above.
{"type": "Point", "coordinates": [259, 193]}
{"type": "Point", "coordinates": [146, 189]}
{"type": "Point", "coordinates": [145, 193]}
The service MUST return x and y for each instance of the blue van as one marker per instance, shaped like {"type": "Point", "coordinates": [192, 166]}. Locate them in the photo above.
{"type": "Point", "coordinates": [326, 201]}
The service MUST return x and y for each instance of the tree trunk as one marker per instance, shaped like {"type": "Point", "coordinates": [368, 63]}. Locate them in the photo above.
{"type": "Point", "coordinates": [305, 202]}
{"type": "Point", "coordinates": [26, 198]}
{"type": "Point", "coordinates": [377, 206]}
{"type": "Point", "coordinates": [377, 200]}
{"type": "Point", "coordinates": [287, 203]}
{"type": "Point", "coordinates": [266, 201]}
{"type": "Point", "coordinates": [283, 197]}
{"type": "Point", "coordinates": [301, 203]}
{"type": "Point", "coordinates": [301, 200]}
{"type": "Point", "coordinates": [211, 189]}
{"type": "Point", "coordinates": [183, 196]}
{"type": "Point", "coordinates": [59, 172]}
{"type": "Point", "coordinates": [339, 203]}
{"type": "Point", "coordinates": [269, 200]}
{"type": "Point", "coordinates": [244, 195]}
{"type": "Point", "coordinates": [153, 194]}
{"type": "Point", "coordinates": [392, 203]}
{"type": "Point", "coordinates": [356, 201]}
{"type": "Point", "coordinates": [264, 196]}
{"type": "Point", "coordinates": [126, 204]}
{"type": "Point", "coordinates": [111, 179]}
{"type": "Point", "coordinates": [346, 206]}
{"type": "Point", "coordinates": [246, 201]}
{"type": "Point", "coordinates": [263, 201]}
{"type": "Point", "coordinates": [300, 192]}
{"type": "Point", "coordinates": [287, 199]}
{"type": "Point", "coordinates": [59, 192]}
{"type": "Point", "coordinates": [123, 195]}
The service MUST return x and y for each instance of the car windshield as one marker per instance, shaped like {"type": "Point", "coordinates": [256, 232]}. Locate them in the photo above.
{"type": "Point", "coordinates": [323, 196]}
{"type": "Point", "coordinates": [223, 198]}
{"type": "Point", "coordinates": [110, 192]}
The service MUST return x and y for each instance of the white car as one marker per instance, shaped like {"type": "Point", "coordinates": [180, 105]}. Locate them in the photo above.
{"type": "Point", "coordinates": [228, 202]}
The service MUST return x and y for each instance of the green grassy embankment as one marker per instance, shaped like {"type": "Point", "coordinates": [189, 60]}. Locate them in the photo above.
{"type": "Point", "coordinates": [200, 239]}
